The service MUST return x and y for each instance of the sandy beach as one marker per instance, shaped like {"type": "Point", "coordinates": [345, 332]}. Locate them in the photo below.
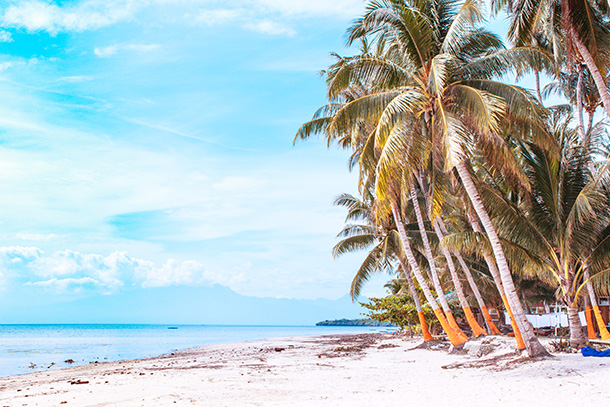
{"type": "Point", "coordinates": [340, 370]}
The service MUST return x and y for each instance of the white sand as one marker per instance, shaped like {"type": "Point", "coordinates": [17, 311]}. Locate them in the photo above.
{"type": "Point", "coordinates": [315, 371]}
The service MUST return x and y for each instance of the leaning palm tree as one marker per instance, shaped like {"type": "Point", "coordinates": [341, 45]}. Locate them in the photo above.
{"type": "Point", "coordinates": [383, 248]}
{"type": "Point", "coordinates": [583, 23]}
{"type": "Point", "coordinates": [560, 233]}
{"type": "Point", "coordinates": [440, 230]}
{"type": "Point", "coordinates": [360, 138]}
{"type": "Point", "coordinates": [435, 95]}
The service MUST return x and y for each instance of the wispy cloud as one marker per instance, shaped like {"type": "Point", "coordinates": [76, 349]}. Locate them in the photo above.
{"type": "Point", "coordinates": [111, 50]}
{"type": "Point", "coordinates": [270, 27]}
{"type": "Point", "coordinates": [5, 36]}
{"type": "Point", "coordinates": [38, 15]}
{"type": "Point", "coordinates": [75, 79]}
{"type": "Point", "coordinates": [248, 19]}
{"type": "Point", "coordinates": [312, 8]}
{"type": "Point", "coordinates": [66, 285]}
{"type": "Point", "coordinates": [217, 16]}
{"type": "Point", "coordinates": [37, 237]}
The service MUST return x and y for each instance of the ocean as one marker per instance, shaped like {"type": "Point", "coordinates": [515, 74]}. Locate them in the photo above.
{"type": "Point", "coordinates": [34, 348]}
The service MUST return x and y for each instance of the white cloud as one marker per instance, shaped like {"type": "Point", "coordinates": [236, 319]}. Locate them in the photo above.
{"type": "Point", "coordinates": [270, 27]}
{"type": "Point", "coordinates": [308, 8]}
{"type": "Point", "coordinates": [111, 50]}
{"type": "Point", "coordinates": [5, 65]}
{"type": "Point", "coordinates": [38, 15]}
{"type": "Point", "coordinates": [37, 237]}
{"type": "Point", "coordinates": [5, 36]}
{"type": "Point", "coordinates": [19, 253]}
{"type": "Point", "coordinates": [250, 19]}
{"type": "Point", "coordinates": [173, 272]}
{"type": "Point", "coordinates": [218, 16]}
{"type": "Point", "coordinates": [69, 270]}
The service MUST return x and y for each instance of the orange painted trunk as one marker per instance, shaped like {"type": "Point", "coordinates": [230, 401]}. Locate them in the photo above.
{"type": "Point", "coordinates": [424, 327]}
{"type": "Point", "coordinates": [589, 317]}
{"type": "Point", "coordinates": [603, 331]}
{"type": "Point", "coordinates": [518, 337]}
{"type": "Point", "coordinates": [474, 325]}
{"type": "Point", "coordinates": [455, 339]}
{"type": "Point", "coordinates": [455, 326]}
{"type": "Point", "coordinates": [490, 322]}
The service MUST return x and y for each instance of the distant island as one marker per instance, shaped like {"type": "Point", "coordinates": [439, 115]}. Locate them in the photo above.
{"type": "Point", "coordinates": [352, 322]}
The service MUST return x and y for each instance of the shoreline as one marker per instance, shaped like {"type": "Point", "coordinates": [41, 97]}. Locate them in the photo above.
{"type": "Point", "coordinates": [30, 348]}
{"type": "Point", "coordinates": [329, 370]}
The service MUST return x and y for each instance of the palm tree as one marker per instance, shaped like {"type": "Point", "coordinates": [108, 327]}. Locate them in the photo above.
{"type": "Point", "coordinates": [435, 97]}
{"type": "Point", "coordinates": [433, 271]}
{"type": "Point", "coordinates": [440, 230]}
{"type": "Point", "coordinates": [455, 339]}
{"type": "Point", "coordinates": [354, 137]}
{"type": "Point", "coordinates": [584, 25]}
{"type": "Point", "coordinates": [560, 232]}
{"type": "Point", "coordinates": [384, 249]}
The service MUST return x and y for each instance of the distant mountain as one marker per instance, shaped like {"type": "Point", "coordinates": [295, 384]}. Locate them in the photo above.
{"type": "Point", "coordinates": [183, 305]}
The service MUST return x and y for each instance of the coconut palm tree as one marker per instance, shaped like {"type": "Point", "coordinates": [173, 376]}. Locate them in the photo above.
{"type": "Point", "coordinates": [354, 136]}
{"type": "Point", "coordinates": [583, 23]}
{"type": "Point", "coordinates": [435, 98]}
{"type": "Point", "coordinates": [385, 248]}
{"type": "Point", "coordinates": [433, 272]}
{"type": "Point", "coordinates": [440, 230]}
{"type": "Point", "coordinates": [560, 232]}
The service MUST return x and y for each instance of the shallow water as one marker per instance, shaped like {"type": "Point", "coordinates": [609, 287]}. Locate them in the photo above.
{"type": "Point", "coordinates": [34, 348]}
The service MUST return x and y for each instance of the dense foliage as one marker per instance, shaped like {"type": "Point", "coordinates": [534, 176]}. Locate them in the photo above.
{"type": "Point", "coordinates": [469, 184]}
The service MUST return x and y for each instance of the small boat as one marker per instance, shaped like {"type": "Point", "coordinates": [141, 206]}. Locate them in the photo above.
{"type": "Point", "coordinates": [172, 327]}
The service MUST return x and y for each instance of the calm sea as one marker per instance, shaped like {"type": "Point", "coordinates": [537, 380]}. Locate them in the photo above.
{"type": "Point", "coordinates": [34, 348]}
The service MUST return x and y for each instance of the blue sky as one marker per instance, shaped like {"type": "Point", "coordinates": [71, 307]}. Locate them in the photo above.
{"type": "Point", "coordinates": [148, 143]}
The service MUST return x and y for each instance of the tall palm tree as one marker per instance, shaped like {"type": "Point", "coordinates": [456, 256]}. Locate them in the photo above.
{"type": "Point", "coordinates": [355, 137]}
{"type": "Point", "coordinates": [584, 25]}
{"type": "Point", "coordinates": [440, 230]}
{"type": "Point", "coordinates": [435, 97]}
{"type": "Point", "coordinates": [433, 272]}
{"type": "Point", "coordinates": [383, 249]}
{"type": "Point", "coordinates": [455, 339]}
{"type": "Point", "coordinates": [561, 231]}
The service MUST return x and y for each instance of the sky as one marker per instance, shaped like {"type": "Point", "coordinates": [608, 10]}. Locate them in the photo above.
{"type": "Point", "coordinates": [149, 143]}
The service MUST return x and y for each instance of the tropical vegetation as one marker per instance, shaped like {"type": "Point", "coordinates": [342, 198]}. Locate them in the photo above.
{"type": "Point", "coordinates": [459, 166]}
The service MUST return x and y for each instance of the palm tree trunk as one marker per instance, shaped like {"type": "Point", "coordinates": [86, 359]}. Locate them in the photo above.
{"type": "Point", "coordinates": [420, 312]}
{"type": "Point", "coordinates": [600, 83]}
{"type": "Point", "coordinates": [455, 339]}
{"type": "Point", "coordinates": [577, 337]}
{"type": "Point", "coordinates": [473, 286]}
{"type": "Point", "coordinates": [603, 331]}
{"type": "Point", "coordinates": [537, 77]}
{"type": "Point", "coordinates": [474, 325]}
{"type": "Point", "coordinates": [581, 120]}
{"type": "Point", "coordinates": [591, 116]}
{"type": "Point", "coordinates": [440, 230]}
{"type": "Point", "coordinates": [495, 274]}
{"type": "Point", "coordinates": [589, 317]}
{"type": "Point", "coordinates": [428, 251]}
{"type": "Point", "coordinates": [532, 345]}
